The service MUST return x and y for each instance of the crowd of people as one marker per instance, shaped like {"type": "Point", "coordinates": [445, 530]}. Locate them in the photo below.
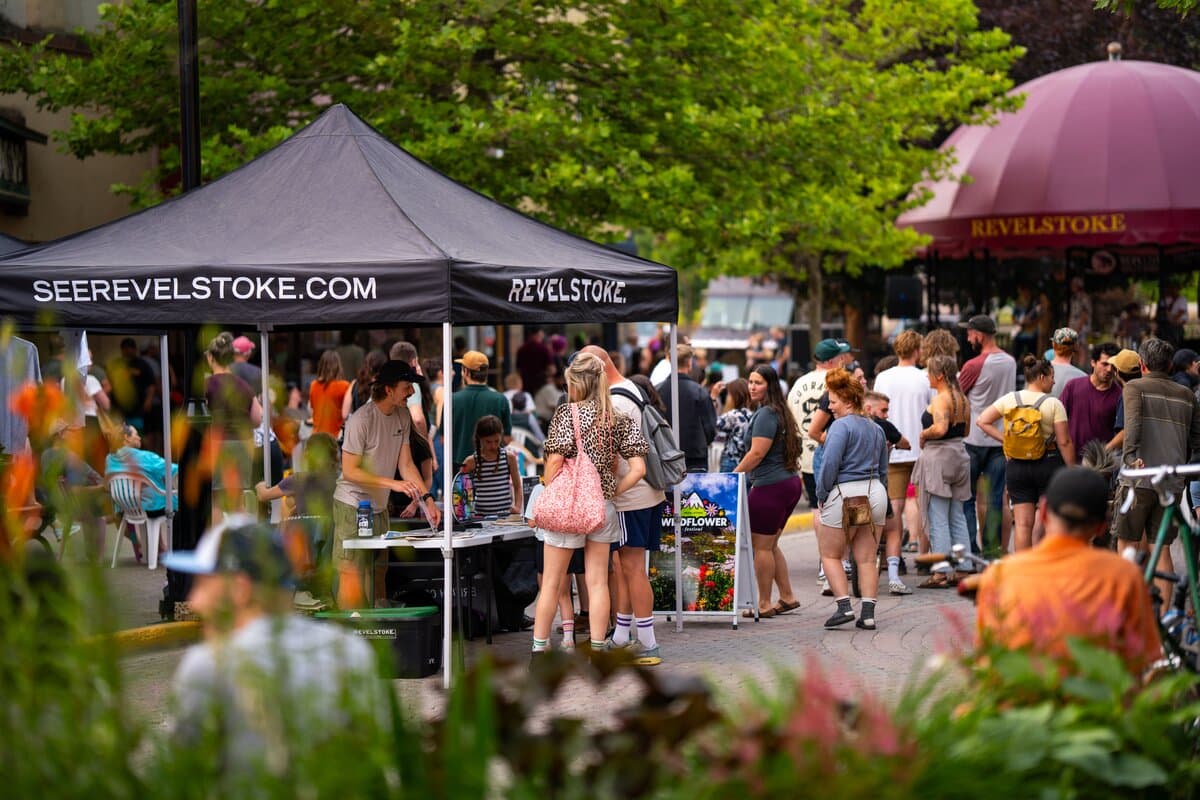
{"type": "Point", "coordinates": [967, 454]}
{"type": "Point", "coordinates": [932, 451]}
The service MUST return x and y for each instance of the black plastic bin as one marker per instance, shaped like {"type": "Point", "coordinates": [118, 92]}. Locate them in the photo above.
{"type": "Point", "coordinates": [415, 635]}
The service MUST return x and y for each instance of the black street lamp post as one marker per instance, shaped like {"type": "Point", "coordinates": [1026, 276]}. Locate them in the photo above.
{"type": "Point", "coordinates": [189, 96]}
{"type": "Point", "coordinates": [194, 508]}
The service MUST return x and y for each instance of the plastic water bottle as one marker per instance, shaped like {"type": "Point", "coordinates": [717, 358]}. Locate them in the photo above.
{"type": "Point", "coordinates": [365, 528]}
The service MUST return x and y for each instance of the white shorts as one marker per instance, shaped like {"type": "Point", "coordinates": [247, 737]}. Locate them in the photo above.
{"type": "Point", "coordinates": [875, 489]}
{"type": "Point", "coordinates": [608, 533]}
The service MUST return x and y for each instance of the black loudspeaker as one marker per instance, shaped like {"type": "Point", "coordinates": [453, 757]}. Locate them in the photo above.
{"type": "Point", "coordinates": [905, 296]}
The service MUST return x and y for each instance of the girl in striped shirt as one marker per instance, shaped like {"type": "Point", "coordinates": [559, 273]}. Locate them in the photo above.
{"type": "Point", "coordinates": [493, 471]}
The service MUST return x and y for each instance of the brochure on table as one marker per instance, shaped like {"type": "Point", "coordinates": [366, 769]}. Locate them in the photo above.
{"type": "Point", "coordinates": [713, 564]}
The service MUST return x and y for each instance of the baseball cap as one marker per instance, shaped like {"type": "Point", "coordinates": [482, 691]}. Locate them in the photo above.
{"type": "Point", "coordinates": [830, 348]}
{"type": "Point", "coordinates": [239, 543]}
{"type": "Point", "coordinates": [392, 372]}
{"type": "Point", "coordinates": [1079, 495]}
{"type": "Point", "coordinates": [243, 345]}
{"type": "Point", "coordinates": [473, 360]}
{"type": "Point", "coordinates": [1126, 361]}
{"type": "Point", "coordinates": [980, 322]}
{"type": "Point", "coordinates": [1065, 336]}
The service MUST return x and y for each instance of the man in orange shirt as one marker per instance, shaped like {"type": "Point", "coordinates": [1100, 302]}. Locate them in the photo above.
{"type": "Point", "coordinates": [1064, 588]}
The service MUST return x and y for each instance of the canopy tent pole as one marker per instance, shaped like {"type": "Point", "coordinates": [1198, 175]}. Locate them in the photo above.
{"type": "Point", "coordinates": [165, 385]}
{"type": "Point", "coordinates": [673, 355]}
{"type": "Point", "coordinates": [266, 403]}
{"type": "Point", "coordinates": [447, 498]}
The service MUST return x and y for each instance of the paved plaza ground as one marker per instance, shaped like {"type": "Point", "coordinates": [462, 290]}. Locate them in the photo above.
{"type": "Point", "coordinates": [911, 629]}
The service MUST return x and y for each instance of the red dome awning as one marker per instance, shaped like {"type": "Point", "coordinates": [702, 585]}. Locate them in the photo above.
{"type": "Point", "coordinates": [1100, 155]}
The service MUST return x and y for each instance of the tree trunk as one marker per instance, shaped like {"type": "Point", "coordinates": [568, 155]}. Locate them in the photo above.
{"type": "Point", "coordinates": [816, 299]}
{"type": "Point", "coordinates": [856, 324]}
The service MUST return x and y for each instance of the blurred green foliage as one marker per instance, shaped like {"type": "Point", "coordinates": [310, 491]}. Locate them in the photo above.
{"type": "Point", "coordinates": [1001, 724]}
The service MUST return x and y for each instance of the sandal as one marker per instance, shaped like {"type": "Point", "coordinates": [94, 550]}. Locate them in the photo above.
{"type": "Point", "coordinates": [935, 582]}
{"type": "Point", "coordinates": [783, 608]}
{"type": "Point", "coordinates": [749, 614]}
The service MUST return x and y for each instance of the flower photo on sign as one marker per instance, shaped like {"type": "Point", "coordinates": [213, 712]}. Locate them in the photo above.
{"type": "Point", "coordinates": [708, 513]}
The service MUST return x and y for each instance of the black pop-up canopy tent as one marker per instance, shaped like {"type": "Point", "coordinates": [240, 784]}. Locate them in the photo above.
{"type": "Point", "coordinates": [335, 226]}
{"type": "Point", "coordinates": [10, 245]}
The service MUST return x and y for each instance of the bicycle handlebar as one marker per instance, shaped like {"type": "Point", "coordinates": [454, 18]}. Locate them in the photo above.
{"type": "Point", "coordinates": [1166, 495]}
{"type": "Point", "coordinates": [1162, 472]}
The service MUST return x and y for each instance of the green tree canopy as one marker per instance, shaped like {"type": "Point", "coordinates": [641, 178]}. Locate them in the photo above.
{"type": "Point", "coordinates": [774, 136]}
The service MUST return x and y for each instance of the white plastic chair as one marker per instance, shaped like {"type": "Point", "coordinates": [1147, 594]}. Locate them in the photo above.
{"type": "Point", "coordinates": [126, 491]}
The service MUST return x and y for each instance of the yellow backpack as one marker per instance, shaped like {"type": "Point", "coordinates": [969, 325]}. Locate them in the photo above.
{"type": "Point", "coordinates": [1023, 438]}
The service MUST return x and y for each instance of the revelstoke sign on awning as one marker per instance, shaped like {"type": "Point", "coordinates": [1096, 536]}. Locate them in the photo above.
{"type": "Point", "coordinates": [1100, 155]}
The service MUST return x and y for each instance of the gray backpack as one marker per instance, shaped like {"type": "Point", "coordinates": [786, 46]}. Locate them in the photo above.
{"type": "Point", "coordinates": [665, 463]}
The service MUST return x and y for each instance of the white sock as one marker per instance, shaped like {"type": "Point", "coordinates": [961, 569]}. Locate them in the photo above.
{"type": "Point", "coordinates": [645, 626]}
{"type": "Point", "coordinates": [893, 569]}
{"type": "Point", "coordinates": [846, 565]}
{"type": "Point", "coordinates": [621, 634]}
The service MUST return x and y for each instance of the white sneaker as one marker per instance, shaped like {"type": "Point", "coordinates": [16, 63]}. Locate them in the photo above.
{"type": "Point", "coordinates": [820, 576]}
{"type": "Point", "coordinates": [898, 587]}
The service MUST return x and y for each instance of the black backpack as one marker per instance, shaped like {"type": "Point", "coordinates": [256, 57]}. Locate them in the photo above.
{"type": "Point", "coordinates": [665, 463]}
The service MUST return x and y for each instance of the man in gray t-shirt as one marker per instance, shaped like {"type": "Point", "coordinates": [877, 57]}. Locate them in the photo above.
{"type": "Point", "coordinates": [263, 682]}
{"type": "Point", "coordinates": [375, 444]}
{"type": "Point", "coordinates": [984, 379]}
{"type": "Point", "coordinates": [243, 348]}
{"type": "Point", "coordinates": [1066, 343]}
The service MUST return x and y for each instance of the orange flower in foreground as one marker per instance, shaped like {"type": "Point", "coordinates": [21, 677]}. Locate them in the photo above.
{"type": "Point", "coordinates": [40, 405]}
{"type": "Point", "coordinates": [18, 493]}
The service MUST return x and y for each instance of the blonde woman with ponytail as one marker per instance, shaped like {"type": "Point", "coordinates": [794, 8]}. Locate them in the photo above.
{"type": "Point", "coordinates": [943, 472]}
{"type": "Point", "coordinates": [605, 434]}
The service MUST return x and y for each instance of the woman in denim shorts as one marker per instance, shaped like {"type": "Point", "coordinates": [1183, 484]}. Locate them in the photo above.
{"type": "Point", "coordinates": [604, 433]}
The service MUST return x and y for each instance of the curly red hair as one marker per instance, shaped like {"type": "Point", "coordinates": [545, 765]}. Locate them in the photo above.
{"type": "Point", "coordinates": [842, 383]}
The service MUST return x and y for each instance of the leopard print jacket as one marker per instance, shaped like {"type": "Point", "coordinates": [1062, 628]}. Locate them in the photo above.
{"type": "Point", "coordinates": [602, 443]}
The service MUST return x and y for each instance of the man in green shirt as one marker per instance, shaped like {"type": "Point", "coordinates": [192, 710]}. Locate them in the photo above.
{"type": "Point", "coordinates": [476, 399]}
